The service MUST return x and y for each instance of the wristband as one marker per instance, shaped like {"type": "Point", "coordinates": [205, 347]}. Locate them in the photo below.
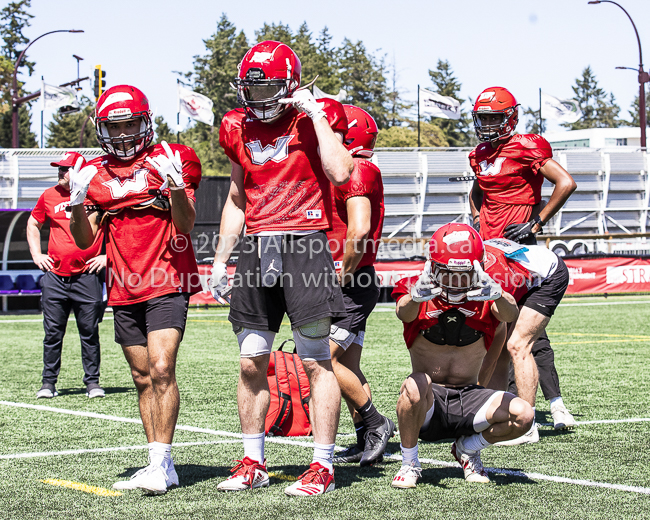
{"type": "Point", "coordinates": [538, 220]}
{"type": "Point", "coordinates": [477, 216]}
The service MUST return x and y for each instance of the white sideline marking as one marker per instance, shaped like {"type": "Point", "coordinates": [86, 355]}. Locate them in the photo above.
{"type": "Point", "coordinates": [534, 476]}
{"type": "Point", "coordinates": [102, 450]}
{"type": "Point", "coordinates": [280, 440]}
{"type": "Point", "coordinates": [602, 303]}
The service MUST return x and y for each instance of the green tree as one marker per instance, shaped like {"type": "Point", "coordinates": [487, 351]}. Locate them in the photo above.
{"type": "Point", "coordinates": [598, 109]}
{"type": "Point", "coordinates": [396, 104]}
{"type": "Point", "coordinates": [163, 131]}
{"type": "Point", "coordinates": [363, 77]}
{"type": "Point", "coordinates": [634, 111]}
{"type": "Point", "coordinates": [65, 130]}
{"type": "Point", "coordinates": [407, 136]}
{"type": "Point", "coordinates": [212, 75]}
{"type": "Point", "coordinates": [458, 132]}
{"type": "Point", "coordinates": [532, 121]}
{"type": "Point", "coordinates": [13, 19]}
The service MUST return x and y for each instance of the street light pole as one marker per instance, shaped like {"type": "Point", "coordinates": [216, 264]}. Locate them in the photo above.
{"type": "Point", "coordinates": [15, 141]}
{"type": "Point", "coordinates": [643, 76]}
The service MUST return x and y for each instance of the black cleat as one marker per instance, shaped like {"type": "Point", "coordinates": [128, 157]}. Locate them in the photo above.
{"type": "Point", "coordinates": [350, 454]}
{"type": "Point", "coordinates": [376, 442]}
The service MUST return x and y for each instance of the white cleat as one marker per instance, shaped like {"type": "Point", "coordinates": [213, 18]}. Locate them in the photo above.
{"type": "Point", "coordinates": [315, 481]}
{"type": "Point", "coordinates": [407, 476]}
{"type": "Point", "coordinates": [247, 474]}
{"type": "Point", "coordinates": [472, 465]}
{"type": "Point", "coordinates": [153, 480]}
{"type": "Point", "coordinates": [562, 418]}
{"type": "Point", "coordinates": [530, 437]}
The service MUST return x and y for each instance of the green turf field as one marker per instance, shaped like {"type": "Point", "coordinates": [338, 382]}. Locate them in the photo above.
{"type": "Point", "coordinates": [57, 465]}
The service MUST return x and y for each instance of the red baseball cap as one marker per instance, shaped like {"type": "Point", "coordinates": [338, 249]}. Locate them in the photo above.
{"type": "Point", "coordinates": [68, 160]}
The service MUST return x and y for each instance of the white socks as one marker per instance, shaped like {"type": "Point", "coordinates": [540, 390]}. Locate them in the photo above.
{"type": "Point", "coordinates": [558, 401]}
{"type": "Point", "coordinates": [473, 443]}
{"type": "Point", "coordinates": [160, 454]}
{"type": "Point", "coordinates": [323, 454]}
{"type": "Point", "coordinates": [254, 446]}
{"type": "Point", "coordinates": [409, 455]}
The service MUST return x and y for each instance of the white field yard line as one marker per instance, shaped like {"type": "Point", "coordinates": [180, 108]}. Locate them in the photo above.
{"type": "Point", "coordinates": [534, 476]}
{"type": "Point", "coordinates": [280, 440]}
{"type": "Point", "coordinates": [103, 450]}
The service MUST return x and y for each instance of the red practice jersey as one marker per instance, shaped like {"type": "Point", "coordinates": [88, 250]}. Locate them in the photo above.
{"type": "Point", "coordinates": [146, 255]}
{"type": "Point", "coordinates": [516, 268]}
{"type": "Point", "coordinates": [478, 315]}
{"type": "Point", "coordinates": [510, 180]}
{"type": "Point", "coordinates": [365, 181]}
{"type": "Point", "coordinates": [67, 258]}
{"type": "Point", "coordinates": [286, 187]}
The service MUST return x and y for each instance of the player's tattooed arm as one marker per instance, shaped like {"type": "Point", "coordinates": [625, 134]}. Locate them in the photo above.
{"type": "Point", "coordinates": [183, 211]}
{"type": "Point", "coordinates": [476, 199]}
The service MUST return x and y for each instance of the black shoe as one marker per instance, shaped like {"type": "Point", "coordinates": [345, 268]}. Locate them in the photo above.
{"type": "Point", "coordinates": [47, 391]}
{"type": "Point", "coordinates": [376, 442]}
{"type": "Point", "coordinates": [350, 454]}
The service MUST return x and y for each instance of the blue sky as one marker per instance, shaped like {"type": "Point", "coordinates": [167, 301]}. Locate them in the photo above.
{"type": "Point", "coordinates": [519, 44]}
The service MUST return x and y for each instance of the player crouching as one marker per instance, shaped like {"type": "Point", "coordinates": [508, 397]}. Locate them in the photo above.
{"type": "Point", "coordinates": [451, 313]}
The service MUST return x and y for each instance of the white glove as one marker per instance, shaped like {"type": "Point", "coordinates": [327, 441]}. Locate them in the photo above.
{"type": "Point", "coordinates": [79, 181]}
{"type": "Point", "coordinates": [305, 101]}
{"type": "Point", "coordinates": [488, 289]}
{"type": "Point", "coordinates": [425, 288]}
{"type": "Point", "coordinates": [168, 166]}
{"type": "Point", "coordinates": [219, 280]}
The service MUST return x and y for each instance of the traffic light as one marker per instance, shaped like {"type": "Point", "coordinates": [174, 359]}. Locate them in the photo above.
{"type": "Point", "coordinates": [99, 81]}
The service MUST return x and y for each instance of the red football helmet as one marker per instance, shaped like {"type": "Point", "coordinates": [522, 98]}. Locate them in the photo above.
{"type": "Point", "coordinates": [362, 131]}
{"type": "Point", "coordinates": [452, 251]}
{"type": "Point", "coordinates": [269, 71]}
{"type": "Point", "coordinates": [121, 103]}
{"type": "Point", "coordinates": [501, 109]}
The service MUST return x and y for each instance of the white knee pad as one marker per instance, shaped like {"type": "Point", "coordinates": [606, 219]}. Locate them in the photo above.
{"type": "Point", "coordinates": [312, 340]}
{"type": "Point", "coordinates": [480, 419]}
{"type": "Point", "coordinates": [343, 338]}
{"type": "Point", "coordinates": [253, 343]}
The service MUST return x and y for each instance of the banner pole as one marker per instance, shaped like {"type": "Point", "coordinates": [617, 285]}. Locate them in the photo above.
{"type": "Point", "coordinates": [541, 129]}
{"type": "Point", "coordinates": [42, 107]}
{"type": "Point", "coordinates": [418, 116]}
{"type": "Point", "coordinates": [178, 113]}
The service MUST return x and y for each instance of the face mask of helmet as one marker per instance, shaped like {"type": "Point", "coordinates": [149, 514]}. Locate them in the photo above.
{"type": "Point", "coordinates": [125, 147]}
{"type": "Point", "coordinates": [260, 96]}
{"type": "Point", "coordinates": [491, 125]}
{"type": "Point", "coordinates": [455, 283]}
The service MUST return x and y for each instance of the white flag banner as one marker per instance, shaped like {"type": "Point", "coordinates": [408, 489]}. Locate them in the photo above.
{"type": "Point", "coordinates": [434, 105]}
{"type": "Point", "coordinates": [195, 105]}
{"type": "Point", "coordinates": [563, 110]}
{"type": "Point", "coordinates": [340, 97]}
{"type": "Point", "coordinates": [57, 97]}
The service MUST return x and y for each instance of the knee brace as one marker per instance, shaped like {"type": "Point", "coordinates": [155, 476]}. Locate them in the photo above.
{"type": "Point", "coordinates": [253, 343]}
{"type": "Point", "coordinates": [312, 340]}
{"type": "Point", "coordinates": [480, 419]}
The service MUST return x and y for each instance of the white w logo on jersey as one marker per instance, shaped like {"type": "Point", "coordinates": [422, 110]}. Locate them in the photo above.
{"type": "Point", "coordinates": [277, 153]}
{"type": "Point", "coordinates": [137, 184]}
{"type": "Point", "coordinates": [491, 169]}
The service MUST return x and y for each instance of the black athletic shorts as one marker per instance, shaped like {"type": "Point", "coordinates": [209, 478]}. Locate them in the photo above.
{"type": "Point", "coordinates": [545, 298]}
{"type": "Point", "coordinates": [454, 411]}
{"type": "Point", "coordinates": [134, 322]}
{"type": "Point", "coordinates": [360, 297]}
{"type": "Point", "coordinates": [307, 290]}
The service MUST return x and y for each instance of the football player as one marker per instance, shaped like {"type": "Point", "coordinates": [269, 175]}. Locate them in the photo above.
{"type": "Point", "coordinates": [286, 150]}
{"type": "Point", "coordinates": [505, 202]}
{"type": "Point", "coordinates": [358, 219]}
{"type": "Point", "coordinates": [451, 314]}
{"type": "Point", "coordinates": [538, 279]}
{"type": "Point", "coordinates": [144, 195]}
